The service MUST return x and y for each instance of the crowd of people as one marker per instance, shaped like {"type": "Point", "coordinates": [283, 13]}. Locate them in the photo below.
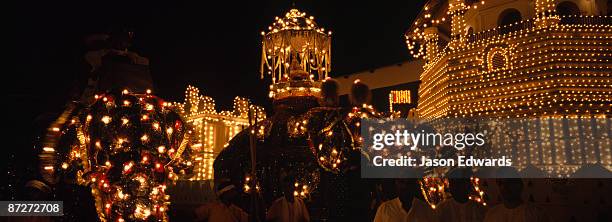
{"type": "Point", "coordinates": [410, 206]}
{"type": "Point", "coordinates": [288, 207]}
{"type": "Point", "coordinates": [407, 205]}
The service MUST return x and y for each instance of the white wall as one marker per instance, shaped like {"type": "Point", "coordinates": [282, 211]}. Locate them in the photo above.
{"type": "Point", "coordinates": [408, 71]}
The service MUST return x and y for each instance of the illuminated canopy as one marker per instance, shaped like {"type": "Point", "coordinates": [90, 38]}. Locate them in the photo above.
{"type": "Point", "coordinates": [297, 54]}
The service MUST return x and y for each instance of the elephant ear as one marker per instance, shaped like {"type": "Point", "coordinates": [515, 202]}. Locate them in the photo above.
{"type": "Point", "coordinates": [329, 138]}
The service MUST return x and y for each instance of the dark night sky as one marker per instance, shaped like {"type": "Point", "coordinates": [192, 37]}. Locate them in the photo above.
{"type": "Point", "coordinates": [215, 47]}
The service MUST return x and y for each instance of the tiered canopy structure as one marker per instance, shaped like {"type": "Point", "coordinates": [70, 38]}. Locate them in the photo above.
{"type": "Point", "coordinates": [296, 53]}
{"type": "Point", "coordinates": [301, 141]}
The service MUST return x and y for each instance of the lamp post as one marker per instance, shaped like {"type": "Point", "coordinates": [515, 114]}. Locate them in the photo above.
{"type": "Point", "coordinates": [253, 216]}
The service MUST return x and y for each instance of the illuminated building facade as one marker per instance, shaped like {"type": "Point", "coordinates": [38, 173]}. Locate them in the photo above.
{"type": "Point", "coordinates": [513, 58]}
{"type": "Point", "coordinates": [543, 60]}
{"type": "Point", "coordinates": [541, 65]}
{"type": "Point", "coordinates": [213, 129]}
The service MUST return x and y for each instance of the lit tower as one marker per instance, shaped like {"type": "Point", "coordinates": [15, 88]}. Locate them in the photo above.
{"type": "Point", "coordinates": [296, 53]}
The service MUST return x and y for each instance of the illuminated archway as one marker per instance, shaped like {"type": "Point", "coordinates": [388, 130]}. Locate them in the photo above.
{"type": "Point", "coordinates": [568, 8]}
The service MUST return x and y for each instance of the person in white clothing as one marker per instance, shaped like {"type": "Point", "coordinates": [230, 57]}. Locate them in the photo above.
{"type": "Point", "coordinates": [513, 208]}
{"type": "Point", "coordinates": [459, 207]}
{"type": "Point", "coordinates": [224, 209]}
{"type": "Point", "coordinates": [288, 208]}
{"type": "Point", "coordinates": [406, 207]}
